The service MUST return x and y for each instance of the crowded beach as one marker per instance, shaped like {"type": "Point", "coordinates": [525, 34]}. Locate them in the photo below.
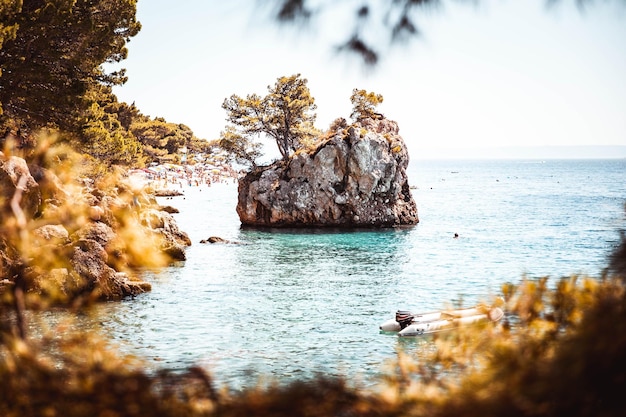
{"type": "Point", "coordinates": [167, 178]}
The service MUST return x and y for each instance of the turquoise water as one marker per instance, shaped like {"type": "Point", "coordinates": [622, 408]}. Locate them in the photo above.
{"type": "Point", "coordinates": [290, 304]}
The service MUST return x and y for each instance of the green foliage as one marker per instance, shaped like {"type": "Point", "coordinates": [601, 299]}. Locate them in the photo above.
{"type": "Point", "coordinates": [103, 136]}
{"type": "Point", "coordinates": [364, 104]}
{"type": "Point", "coordinates": [290, 113]}
{"type": "Point", "coordinates": [162, 140]}
{"type": "Point", "coordinates": [239, 148]}
{"type": "Point", "coordinates": [88, 378]}
{"type": "Point", "coordinates": [8, 9]}
{"type": "Point", "coordinates": [285, 115]}
{"type": "Point", "coordinates": [52, 54]}
{"type": "Point", "coordinates": [56, 57]}
{"type": "Point", "coordinates": [560, 352]}
{"type": "Point", "coordinates": [8, 27]}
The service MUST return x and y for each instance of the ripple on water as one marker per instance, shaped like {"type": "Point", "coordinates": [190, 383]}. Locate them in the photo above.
{"type": "Point", "coordinates": [289, 304]}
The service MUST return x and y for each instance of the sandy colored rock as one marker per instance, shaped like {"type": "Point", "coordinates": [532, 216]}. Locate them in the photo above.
{"type": "Point", "coordinates": [356, 178]}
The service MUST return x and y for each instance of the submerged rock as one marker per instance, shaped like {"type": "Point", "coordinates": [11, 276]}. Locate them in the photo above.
{"type": "Point", "coordinates": [356, 178]}
{"type": "Point", "coordinates": [217, 239]}
{"type": "Point", "coordinates": [168, 193]}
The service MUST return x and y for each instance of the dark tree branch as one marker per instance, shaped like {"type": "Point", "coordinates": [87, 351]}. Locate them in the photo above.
{"type": "Point", "coordinates": [398, 19]}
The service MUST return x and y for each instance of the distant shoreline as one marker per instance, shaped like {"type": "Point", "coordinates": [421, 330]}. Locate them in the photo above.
{"type": "Point", "coordinates": [521, 152]}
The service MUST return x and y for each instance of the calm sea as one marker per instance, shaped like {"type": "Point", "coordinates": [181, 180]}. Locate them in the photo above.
{"type": "Point", "coordinates": [291, 304]}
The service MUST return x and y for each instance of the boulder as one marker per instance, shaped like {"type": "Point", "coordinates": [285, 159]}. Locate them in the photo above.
{"type": "Point", "coordinates": [15, 178]}
{"type": "Point", "coordinates": [168, 193]}
{"type": "Point", "coordinates": [217, 239]}
{"type": "Point", "coordinates": [356, 178]}
{"type": "Point", "coordinates": [96, 213]}
{"type": "Point", "coordinates": [53, 191]}
{"type": "Point", "coordinates": [89, 261]}
{"type": "Point", "coordinates": [52, 233]}
{"type": "Point", "coordinates": [96, 231]}
{"type": "Point", "coordinates": [9, 260]}
{"type": "Point", "coordinates": [169, 209]}
{"type": "Point", "coordinates": [92, 268]}
{"type": "Point", "coordinates": [174, 240]}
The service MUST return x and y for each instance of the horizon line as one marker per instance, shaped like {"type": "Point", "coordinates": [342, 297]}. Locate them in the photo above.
{"type": "Point", "coordinates": [522, 152]}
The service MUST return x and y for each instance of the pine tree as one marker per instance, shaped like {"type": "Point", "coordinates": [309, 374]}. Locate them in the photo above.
{"type": "Point", "coordinates": [285, 115]}
{"type": "Point", "coordinates": [364, 104]}
{"type": "Point", "coordinates": [56, 56]}
{"type": "Point", "coordinates": [8, 27]}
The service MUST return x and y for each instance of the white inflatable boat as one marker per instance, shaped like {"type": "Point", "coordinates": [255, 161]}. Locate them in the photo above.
{"type": "Point", "coordinates": [410, 324]}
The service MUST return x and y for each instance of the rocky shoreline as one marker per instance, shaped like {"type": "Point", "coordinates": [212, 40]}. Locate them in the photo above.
{"type": "Point", "coordinates": [80, 240]}
{"type": "Point", "coordinates": [67, 239]}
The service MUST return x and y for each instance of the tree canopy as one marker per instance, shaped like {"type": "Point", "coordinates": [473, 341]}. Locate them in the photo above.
{"type": "Point", "coordinates": [239, 148]}
{"type": "Point", "coordinates": [102, 134]}
{"type": "Point", "coordinates": [286, 115]}
{"type": "Point", "coordinates": [364, 104]}
{"type": "Point", "coordinates": [8, 27]}
{"type": "Point", "coordinates": [56, 57]}
{"type": "Point", "coordinates": [161, 140]}
{"type": "Point", "coordinates": [52, 57]}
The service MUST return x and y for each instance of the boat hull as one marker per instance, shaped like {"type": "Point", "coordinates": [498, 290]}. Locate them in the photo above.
{"type": "Point", "coordinates": [437, 321]}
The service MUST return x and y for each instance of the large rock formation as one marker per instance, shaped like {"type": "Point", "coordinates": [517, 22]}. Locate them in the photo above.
{"type": "Point", "coordinates": [355, 178]}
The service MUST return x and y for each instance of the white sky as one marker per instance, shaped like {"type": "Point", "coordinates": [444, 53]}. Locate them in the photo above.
{"type": "Point", "coordinates": [505, 73]}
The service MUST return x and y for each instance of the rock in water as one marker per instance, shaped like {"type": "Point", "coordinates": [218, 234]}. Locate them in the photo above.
{"type": "Point", "coordinates": [355, 178]}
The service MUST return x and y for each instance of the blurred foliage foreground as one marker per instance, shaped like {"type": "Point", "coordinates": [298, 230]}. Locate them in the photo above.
{"type": "Point", "coordinates": [561, 351]}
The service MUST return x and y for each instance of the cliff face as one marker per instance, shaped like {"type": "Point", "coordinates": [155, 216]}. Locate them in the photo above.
{"type": "Point", "coordinates": [357, 178]}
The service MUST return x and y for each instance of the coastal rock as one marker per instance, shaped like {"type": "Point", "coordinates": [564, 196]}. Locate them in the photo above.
{"type": "Point", "coordinates": [168, 193]}
{"type": "Point", "coordinates": [9, 259]}
{"type": "Point", "coordinates": [52, 232]}
{"type": "Point", "coordinates": [96, 213]}
{"type": "Point", "coordinates": [169, 209]}
{"type": "Point", "coordinates": [96, 231]}
{"type": "Point", "coordinates": [53, 191]}
{"type": "Point", "coordinates": [58, 283]}
{"type": "Point", "coordinates": [15, 176]}
{"type": "Point", "coordinates": [174, 240]}
{"type": "Point", "coordinates": [356, 178]}
{"type": "Point", "coordinates": [89, 260]}
{"type": "Point", "coordinates": [77, 249]}
{"type": "Point", "coordinates": [217, 239]}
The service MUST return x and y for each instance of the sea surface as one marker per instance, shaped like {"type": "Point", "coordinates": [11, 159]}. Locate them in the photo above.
{"type": "Point", "coordinates": [288, 305]}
